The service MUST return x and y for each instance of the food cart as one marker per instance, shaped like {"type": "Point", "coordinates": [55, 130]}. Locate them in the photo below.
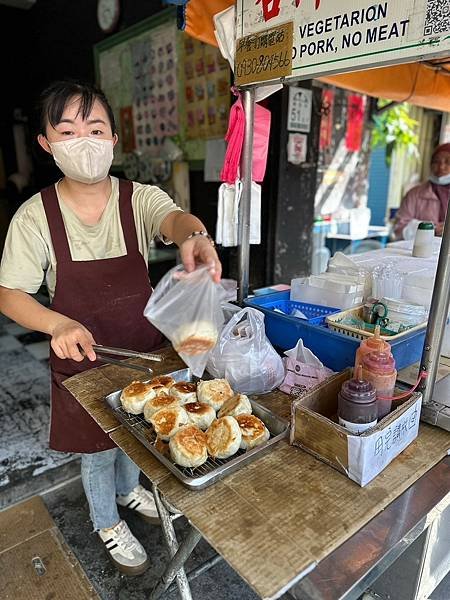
{"type": "Point", "coordinates": [287, 521]}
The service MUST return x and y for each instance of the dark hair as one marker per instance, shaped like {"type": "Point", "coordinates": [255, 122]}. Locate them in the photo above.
{"type": "Point", "coordinates": [54, 100]}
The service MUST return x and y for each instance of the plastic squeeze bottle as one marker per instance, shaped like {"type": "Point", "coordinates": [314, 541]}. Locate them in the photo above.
{"type": "Point", "coordinates": [357, 404]}
{"type": "Point", "coordinates": [423, 242]}
{"type": "Point", "coordinates": [379, 369]}
{"type": "Point", "coordinates": [372, 344]}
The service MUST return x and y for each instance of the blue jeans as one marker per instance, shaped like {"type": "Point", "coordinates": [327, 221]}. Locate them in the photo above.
{"type": "Point", "coordinates": [105, 474]}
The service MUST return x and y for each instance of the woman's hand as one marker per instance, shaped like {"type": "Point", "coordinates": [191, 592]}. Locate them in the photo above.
{"type": "Point", "coordinates": [199, 251]}
{"type": "Point", "coordinates": [67, 336]}
{"type": "Point", "coordinates": [439, 229]}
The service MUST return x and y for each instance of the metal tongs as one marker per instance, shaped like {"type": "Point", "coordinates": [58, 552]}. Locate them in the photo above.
{"type": "Point", "coordinates": [99, 350]}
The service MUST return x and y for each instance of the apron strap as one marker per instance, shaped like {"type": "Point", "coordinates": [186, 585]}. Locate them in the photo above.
{"type": "Point", "coordinates": [58, 231]}
{"type": "Point", "coordinates": [127, 216]}
{"type": "Point", "coordinates": [56, 225]}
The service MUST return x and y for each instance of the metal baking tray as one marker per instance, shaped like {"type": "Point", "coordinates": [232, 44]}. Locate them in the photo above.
{"type": "Point", "coordinates": [213, 469]}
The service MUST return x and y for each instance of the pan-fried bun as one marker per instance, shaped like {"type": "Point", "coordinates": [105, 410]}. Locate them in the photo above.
{"type": "Point", "coordinates": [223, 437]}
{"type": "Point", "coordinates": [188, 447]}
{"type": "Point", "coordinates": [184, 391]}
{"type": "Point", "coordinates": [155, 404]}
{"type": "Point", "coordinates": [162, 384]}
{"type": "Point", "coordinates": [254, 432]}
{"type": "Point", "coordinates": [195, 338]}
{"type": "Point", "coordinates": [167, 421]}
{"type": "Point", "coordinates": [237, 405]}
{"type": "Point", "coordinates": [201, 415]}
{"type": "Point", "coordinates": [214, 392]}
{"type": "Point", "coordinates": [162, 447]}
{"type": "Point", "coordinates": [135, 396]}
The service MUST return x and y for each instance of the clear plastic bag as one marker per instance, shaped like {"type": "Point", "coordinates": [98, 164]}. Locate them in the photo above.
{"type": "Point", "coordinates": [245, 357]}
{"type": "Point", "coordinates": [186, 308]}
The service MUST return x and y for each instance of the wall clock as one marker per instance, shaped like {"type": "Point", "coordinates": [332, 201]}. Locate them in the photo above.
{"type": "Point", "coordinates": [108, 12]}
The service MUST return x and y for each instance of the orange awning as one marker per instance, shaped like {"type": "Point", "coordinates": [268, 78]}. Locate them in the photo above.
{"type": "Point", "coordinates": [199, 18]}
{"type": "Point", "coordinates": [425, 84]}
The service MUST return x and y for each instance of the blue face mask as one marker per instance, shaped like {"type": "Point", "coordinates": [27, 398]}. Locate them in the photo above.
{"type": "Point", "coordinates": [444, 180]}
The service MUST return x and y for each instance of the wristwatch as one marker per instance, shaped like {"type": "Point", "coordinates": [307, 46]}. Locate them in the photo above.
{"type": "Point", "coordinates": [202, 233]}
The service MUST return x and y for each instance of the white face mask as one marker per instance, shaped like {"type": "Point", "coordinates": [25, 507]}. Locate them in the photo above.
{"type": "Point", "coordinates": [444, 180]}
{"type": "Point", "coordinates": [84, 159]}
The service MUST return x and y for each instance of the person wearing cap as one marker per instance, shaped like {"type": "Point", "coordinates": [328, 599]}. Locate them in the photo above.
{"type": "Point", "coordinates": [427, 201]}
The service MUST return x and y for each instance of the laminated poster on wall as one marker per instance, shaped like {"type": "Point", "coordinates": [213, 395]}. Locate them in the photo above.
{"type": "Point", "coordinates": [297, 148]}
{"type": "Point", "coordinates": [127, 129]}
{"type": "Point", "coordinates": [155, 96]}
{"type": "Point", "coordinates": [207, 97]}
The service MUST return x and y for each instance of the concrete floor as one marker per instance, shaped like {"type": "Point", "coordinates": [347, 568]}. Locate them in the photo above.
{"type": "Point", "coordinates": [68, 506]}
{"type": "Point", "coordinates": [69, 509]}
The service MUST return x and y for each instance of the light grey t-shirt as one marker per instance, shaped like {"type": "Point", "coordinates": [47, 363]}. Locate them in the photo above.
{"type": "Point", "coordinates": [28, 255]}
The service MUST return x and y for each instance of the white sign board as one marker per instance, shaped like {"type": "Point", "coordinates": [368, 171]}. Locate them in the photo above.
{"type": "Point", "coordinates": [350, 35]}
{"type": "Point", "coordinates": [299, 110]}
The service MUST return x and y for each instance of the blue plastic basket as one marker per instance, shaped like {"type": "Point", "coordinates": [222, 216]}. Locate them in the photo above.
{"type": "Point", "coordinates": [335, 350]}
{"type": "Point", "coordinates": [315, 314]}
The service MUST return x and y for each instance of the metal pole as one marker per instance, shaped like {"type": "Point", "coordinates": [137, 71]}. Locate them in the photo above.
{"type": "Point", "coordinates": [175, 567]}
{"type": "Point", "coordinates": [438, 316]}
{"type": "Point", "coordinates": [248, 100]}
{"type": "Point", "coordinates": [203, 568]}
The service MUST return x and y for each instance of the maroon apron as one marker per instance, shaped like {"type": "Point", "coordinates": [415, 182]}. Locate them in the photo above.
{"type": "Point", "coordinates": [107, 296]}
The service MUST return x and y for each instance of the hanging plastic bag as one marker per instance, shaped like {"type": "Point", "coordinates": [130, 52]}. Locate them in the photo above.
{"type": "Point", "coordinates": [245, 357]}
{"type": "Point", "coordinates": [303, 370]}
{"type": "Point", "coordinates": [235, 139]}
{"type": "Point", "coordinates": [186, 308]}
{"type": "Point", "coordinates": [227, 224]}
{"type": "Point", "coordinates": [261, 134]}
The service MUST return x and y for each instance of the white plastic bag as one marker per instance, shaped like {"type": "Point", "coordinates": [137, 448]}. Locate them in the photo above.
{"type": "Point", "coordinates": [186, 308]}
{"type": "Point", "coordinates": [245, 357]}
{"type": "Point", "coordinates": [303, 370]}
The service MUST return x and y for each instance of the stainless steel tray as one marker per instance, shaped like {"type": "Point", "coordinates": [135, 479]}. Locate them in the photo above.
{"type": "Point", "coordinates": [212, 469]}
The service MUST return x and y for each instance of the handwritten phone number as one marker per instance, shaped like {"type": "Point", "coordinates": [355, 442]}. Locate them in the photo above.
{"type": "Point", "coordinates": [262, 63]}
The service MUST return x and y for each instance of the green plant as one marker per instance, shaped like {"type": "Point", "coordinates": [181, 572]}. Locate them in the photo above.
{"type": "Point", "coordinates": [395, 128]}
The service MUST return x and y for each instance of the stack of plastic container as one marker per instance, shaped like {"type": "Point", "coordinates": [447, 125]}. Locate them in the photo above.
{"type": "Point", "coordinates": [328, 289]}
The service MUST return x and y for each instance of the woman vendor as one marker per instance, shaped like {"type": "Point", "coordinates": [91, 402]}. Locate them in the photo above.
{"type": "Point", "coordinates": [88, 236]}
{"type": "Point", "coordinates": [427, 201]}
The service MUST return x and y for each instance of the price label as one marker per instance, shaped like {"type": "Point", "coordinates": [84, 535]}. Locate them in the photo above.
{"type": "Point", "coordinates": [265, 55]}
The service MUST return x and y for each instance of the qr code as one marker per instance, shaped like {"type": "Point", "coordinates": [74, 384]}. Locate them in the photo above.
{"type": "Point", "coordinates": [438, 17]}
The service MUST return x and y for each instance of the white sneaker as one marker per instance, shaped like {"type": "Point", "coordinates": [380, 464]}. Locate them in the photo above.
{"type": "Point", "coordinates": [141, 501]}
{"type": "Point", "coordinates": [124, 550]}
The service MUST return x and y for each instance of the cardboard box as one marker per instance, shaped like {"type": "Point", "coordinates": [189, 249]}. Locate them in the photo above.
{"type": "Point", "coordinates": [314, 428]}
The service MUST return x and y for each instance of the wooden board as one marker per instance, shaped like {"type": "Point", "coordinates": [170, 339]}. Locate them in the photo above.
{"type": "Point", "coordinates": [27, 532]}
{"type": "Point", "coordinates": [276, 518]}
{"type": "Point", "coordinates": [23, 521]}
{"type": "Point", "coordinates": [90, 387]}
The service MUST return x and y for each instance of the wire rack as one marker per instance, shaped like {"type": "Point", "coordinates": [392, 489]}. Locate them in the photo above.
{"type": "Point", "coordinates": [213, 469]}
{"type": "Point", "coordinates": [147, 436]}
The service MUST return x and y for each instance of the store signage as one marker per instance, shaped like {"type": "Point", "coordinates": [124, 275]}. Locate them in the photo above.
{"type": "Point", "coordinates": [299, 109]}
{"type": "Point", "coordinates": [349, 35]}
{"type": "Point", "coordinates": [264, 55]}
